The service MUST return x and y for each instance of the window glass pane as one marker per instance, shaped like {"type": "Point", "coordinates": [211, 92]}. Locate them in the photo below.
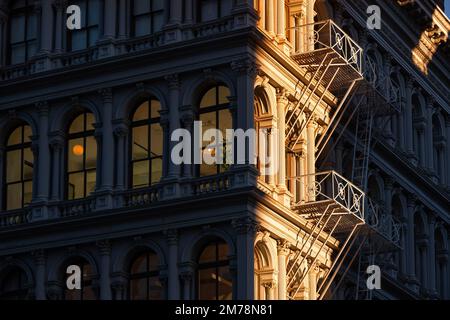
{"type": "Point", "coordinates": [28, 192]}
{"type": "Point", "coordinates": [141, 112]}
{"type": "Point", "coordinates": [14, 196]}
{"type": "Point", "coordinates": [27, 133]}
{"type": "Point", "coordinates": [76, 155]}
{"type": "Point", "coordinates": [17, 29]}
{"type": "Point", "coordinates": [77, 124]}
{"type": "Point", "coordinates": [155, 288]}
{"type": "Point", "coordinates": [141, 174]}
{"type": "Point", "coordinates": [225, 121]}
{"type": "Point", "coordinates": [155, 108]}
{"type": "Point", "coordinates": [223, 251]}
{"type": "Point", "coordinates": [91, 181]}
{"type": "Point", "coordinates": [138, 289]}
{"type": "Point", "coordinates": [209, 10]}
{"type": "Point", "coordinates": [18, 53]}
{"type": "Point", "coordinates": [208, 254]}
{"type": "Point", "coordinates": [225, 282]}
{"type": "Point", "coordinates": [224, 93]}
{"type": "Point", "coordinates": [140, 143]}
{"type": "Point", "coordinates": [209, 122]}
{"type": "Point", "coordinates": [142, 26]}
{"type": "Point", "coordinates": [209, 99]}
{"type": "Point", "coordinates": [153, 261]}
{"type": "Point", "coordinates": [90, 121]}
{"type": "Point", "coordinates": [207, 284]}
{"type": "Point", "coordinates": [76, 186]}
{"type": "Point", "coordinates": [13, 161]}
{"type": "Point", "coordinates": [157, 5]}
{"type": "Point", "coordinates": [15, 137]}
{"type": "Point", "coordinates": [91, 153]}
{"type": "Point", "coordinates": [156, 135]}
{"type": "Point", "coordinates": [93, 36]}
{"type": "Point", "coordinates": [82, 5]}
{"type": "Point", "coordinates": [32, 27]}
{"type": "Point", "coordinates": [94, 12]}
{"type": "Point", "coordinates": [139, 264]}
{"type": "Point", "coordinates": [32, 48]}
{"type": "Point", "coordinates": [72, 295]}
{"type": "Point", "coordinates": [158, 22]}
{"type": "Point", "coordinates": [27, 164]}
{"type": "Point", "coordinates": [141, 6]}
{"type": "Point", "coordinates": [156, 170]}
{"type": "Point", "coordinates": [225, 8]}
{"type": "Point", "coordinates": [79, 39]}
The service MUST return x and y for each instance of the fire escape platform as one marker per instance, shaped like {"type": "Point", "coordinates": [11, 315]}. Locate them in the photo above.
{"type": "Point", "coordinates": [341, 219]}
{"type": "Point", "coordinates": [316, 59]}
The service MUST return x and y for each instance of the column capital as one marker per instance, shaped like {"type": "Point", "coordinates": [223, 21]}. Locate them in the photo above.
{"type": "Point", "coordinates": [171, 236]}
{"type": "Point", "coordinates": [107, 94]}
{"type": "Point", "coordinates": [283, 247]}
{"type": "Point", "coordinates": [411, 199]}
{"type": "Point", "coordinates": [57, 139]}
{"type": "Point", "coordinates": [388, 182]}
{"type": "Point", "coordinates": [39, 257]}
{"type": "Point", "coordinates": [245, 66]}
{"type": "Point", "coordinates": [42, 107]}
{"type": "Point", "coordinates": [282, 96]}
{"type": "Point", "coordinates": [173, 81]}
{"type": "Point", "coordinates": [104, 247]}
{"type": "Point", "coordinates": [245, 225]}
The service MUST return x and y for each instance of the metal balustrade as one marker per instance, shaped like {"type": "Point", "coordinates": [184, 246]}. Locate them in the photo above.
{"type": "Point", "coordinates": [331, 186]}
{"type": "Point", "coordinates": [325, 35]}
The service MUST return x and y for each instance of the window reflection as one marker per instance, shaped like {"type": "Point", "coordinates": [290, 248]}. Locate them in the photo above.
{"type": "Point", "coordinates": [19, 169]}
{"type": "Point", "coordinates": [148, 16]}
{"type": "Point", "coordinates": [147, 145]}
{"type": "Point", "coordinates": [215, 114]}
{"type": "Point", "coordinates": [87, 291]}
{"type": "Point", "coordinates": [144, 278]}
{"type": "Point", "coordinates": [214, 278]}
{"type": "Point", "coordinates": [88, 35]}
{"type": "Point", "coordinates": [23, 31]}
{"type": "Point", "coordinates": [81, 157]}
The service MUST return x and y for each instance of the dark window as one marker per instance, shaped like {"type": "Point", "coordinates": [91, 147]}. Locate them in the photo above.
{"type": "Point", "coordinates": [213, 274]}
{"type": "Point", "coordinates": [214, 9]}
{"type": "Point", "coordinates": [144, 278]}
{"type": "Point", "coordinates": [86, 292]}
{"type": "Point", "coordinates": [146, 145]}
{"type": "Point", "coordinates": [214, 113]}
{"type": "Point", "coordinates": [87, 36]}
{"type": "Point", "coordinates": [147, 17]}
{"type": "Point", "coordinates": [22, 31]}
{"type": "Point", "coordinates": [19, 168]}
{"type": "Point", "coordinates": [13, 286]}
{"type": "Point", "coordinates": [81, 157]}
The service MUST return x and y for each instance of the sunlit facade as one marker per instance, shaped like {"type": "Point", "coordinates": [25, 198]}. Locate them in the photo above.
{"type": "Point", "coordinates": [356, 121]}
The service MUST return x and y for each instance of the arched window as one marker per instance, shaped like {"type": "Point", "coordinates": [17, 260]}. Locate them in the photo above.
{"type": "Point", "coordinates": [147, 145]}
{"type": "Point", "coordinates": [91, 16]}
{"type": "Point", "coordinates": [81, 157]}
{"type": "Point", "coordinates": [87, 290]}
{"type": "Point", "coordinates": [19, 169]}
{"type": "Point", "coordinates": [213, 275]}
{"type": "Point", "coordinates": [147, 17]}
{"type": "Point", "coordinates": [214, 9]}
{"type": "Point", "coordinates": [438, 149]}
{"type": "Point", "coordinates": [421, 249]}
{"type": "Point", "coordinates": [22, 31]}
{"type": "Point", "coordinates": [13, 285]}
{"type": "Point", "coordinates": [215, 113]}
{"type": "Point", "coordinates": [144, 278]}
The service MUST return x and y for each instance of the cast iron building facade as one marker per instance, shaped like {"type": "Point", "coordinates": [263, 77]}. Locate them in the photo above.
{"type": "Point", "coordinates": [363, 150]}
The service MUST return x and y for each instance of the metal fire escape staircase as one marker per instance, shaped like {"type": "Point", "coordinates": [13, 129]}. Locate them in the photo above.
{"type": "Point", "coordinates": [338, 212]}
{"type": "Point", "coordinates": [334, 65]}
{"type": "Point", "coordinates": [332, 205]}
{"type": "Point", "coordinates": [376, 99]}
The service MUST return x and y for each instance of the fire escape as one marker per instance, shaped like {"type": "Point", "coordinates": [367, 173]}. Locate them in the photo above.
{"type": "Point", "coordinates": [338, 211]}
